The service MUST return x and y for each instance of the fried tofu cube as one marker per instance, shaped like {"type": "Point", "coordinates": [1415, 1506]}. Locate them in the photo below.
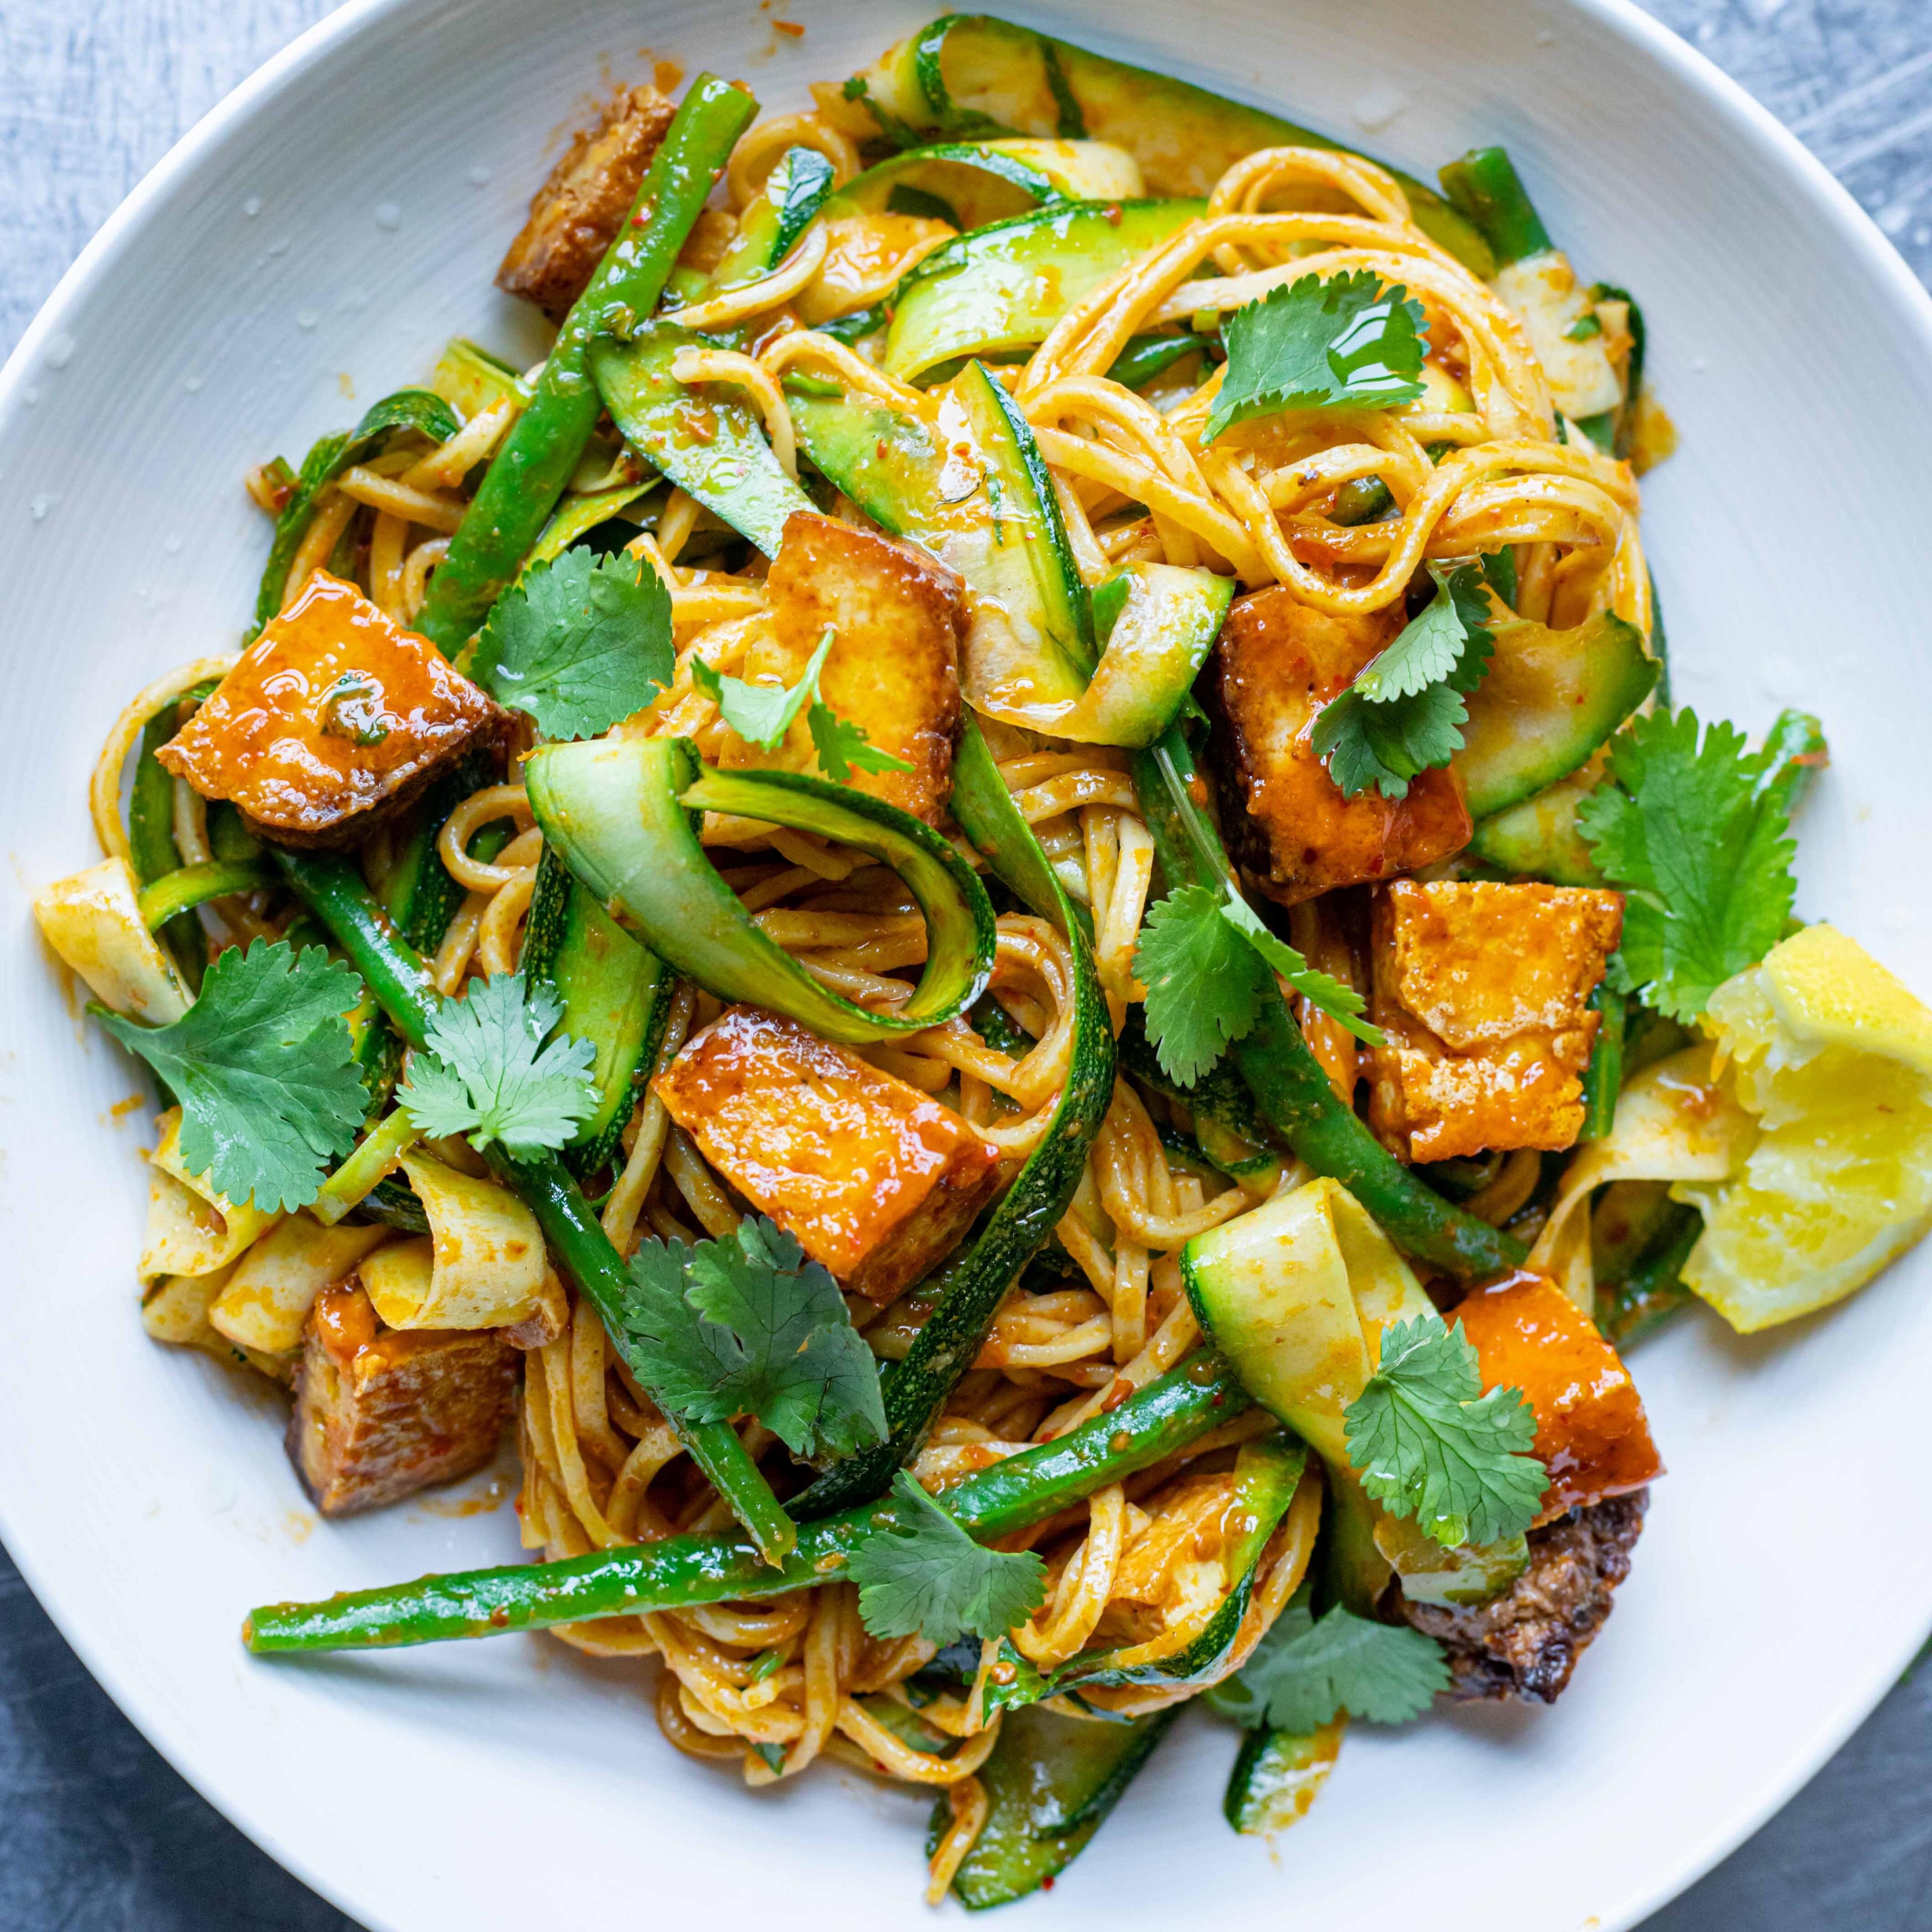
{"type": "Point", "coordinates": [893, 669]}
{"type": "Point", "coordinates": [1482, 991]}
{"type": "Point", "coordinates": [1591, 1433]}
{"type": "Point", "coordinates": [871, 1177]}
{"type": "Point", "coordinates": [575, 215]}
{"type": "Point", "coordinates": [1278, 663]}
{"type": "Point", "coordinates": [334, 717]}
{"type": "Point", "coordinates": [381, 1413]}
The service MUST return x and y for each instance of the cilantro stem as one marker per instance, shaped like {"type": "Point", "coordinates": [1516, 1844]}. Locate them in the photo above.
{"type": "Point", "coordinates": [682, 1571]}
{"type": "Point", "coordinates": [394, 972]}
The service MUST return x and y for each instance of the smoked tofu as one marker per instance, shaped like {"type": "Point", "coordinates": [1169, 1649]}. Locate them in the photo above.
{"type": "Point", "coordinates": [575, 215]}
{"type": "Point", "coordinates": [893, 669]}
{"type": "Point", "coordinates": [871, 1178]}
{"type": "Point", "coordinates": [380, 1413]}
{"type": "Point", "coordinates": [1482, 992]}
{"type": "Point", "coordinates": [1591, 1433]}
{"type": "Point", "coordinates": [335, 714]}
{"type": "Point", "coordinates": [1277, 663]}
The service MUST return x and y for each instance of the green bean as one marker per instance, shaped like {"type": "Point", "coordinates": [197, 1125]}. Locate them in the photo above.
{"type": "Point", "coordinates": [1603, 1078]}
{"type": "Point", "coordinates": [1484, 186]}
{"type": "Point", "coordinates": [523, 484]}
{"type": "Point", "coordinates": [1288, 1082]}
{"type": "Point", "coordinates": [683, 1571]}
{"type": "Point", "coordinates": [151, 838]}
{"type": "Point", "coordinates": [394, 972]}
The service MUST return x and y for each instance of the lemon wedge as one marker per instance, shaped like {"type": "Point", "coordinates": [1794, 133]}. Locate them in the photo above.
{"type": "Point", "coordinates": [1832, 1056]}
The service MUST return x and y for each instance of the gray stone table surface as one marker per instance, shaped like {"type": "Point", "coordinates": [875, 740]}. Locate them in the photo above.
{"type": "Point", "coordinates": [97, 1834]}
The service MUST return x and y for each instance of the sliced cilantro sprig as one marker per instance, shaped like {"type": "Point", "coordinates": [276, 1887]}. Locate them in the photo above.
{"type": "Point", "coordinates": [1429, 1444]}
{"type": "Point", "coordinates": [1302, 1673]}
{"type": "Point", "coordinates": [1204, 958]}
{"type": "Point", "coordinates": [488, 1074]}
{"type": "Point", "coordinates": [264, 1065]}
{"type": "Point", "coordinates": [747, 1326]}
{"type": "Point", "coordinates": [581, 644]}
{"type": "Point", "coordinates": [1344, 342]}
{"type": "Point", "coordinates": [761, 715]}
{"type": "Point", "coordinates": [1698, 837]}
{"type": "Point", "coordinates": [926, 1577]}
{"type": "Point", "coordinates": [1404, 713]}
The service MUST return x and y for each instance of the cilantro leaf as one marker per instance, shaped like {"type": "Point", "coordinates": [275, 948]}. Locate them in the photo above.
{"type": "Point", "coordinates": [747, 1326]}
{"type": "Point", "coordinates": [1702, 842]}
{"type": "Point", "coordinates": [1303, 1672]}
{"type": "Point", "coordinates": [581, 644]}
{"type": "Point", "coordinates": [1428, 1443]}
{"type": "Point", "coordinates": [926, 1577]}
{"type": "Point", "coordinates": [1312, 344]}
{"type": "Point", "coordinates": [762, 714]}
{"type": "Point", "coordinates": [843, 747]}
{"type": "Point", "coordinates": [1204, 957]}
{"type": "Point", "coordinates": [1404, 713]}
{"type": "Point", "coordinates": [487, 1073]}
{"type": "Point", "coordinates": [264, 1067]}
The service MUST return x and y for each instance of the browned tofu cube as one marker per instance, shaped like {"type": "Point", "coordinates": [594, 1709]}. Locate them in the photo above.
{"type": "Point", "coordinates": [1482, 991]}
{"type": "Point", "coordinates": [868, 1175]}
{"type": "Point", "coordinates": [893, 669]}
{"type": "Point", "coordinates": [575, 215]}
{"type": "Point", "coordinates": [335, 716]}
{"type": "Point", "coordinates": [382, 1412]}
{"type": "Point", "coordinates": [1278, 663]}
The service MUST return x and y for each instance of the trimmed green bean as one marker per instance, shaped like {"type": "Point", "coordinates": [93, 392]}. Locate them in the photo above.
{"type": "Point", "coordinates": [1484, 186]}
{"type": "Point", "coordinates": [523, 484]}
{"type": "Point", "coordinates": [1603, 1078]}
{"type": "Point", "coordinates": [394, 972]}
{"type": "Point", "coordinates": [683, 1571]}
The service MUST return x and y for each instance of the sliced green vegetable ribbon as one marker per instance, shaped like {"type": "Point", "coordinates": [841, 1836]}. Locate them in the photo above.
{"type": "Point", "coordinates": [622, 815]}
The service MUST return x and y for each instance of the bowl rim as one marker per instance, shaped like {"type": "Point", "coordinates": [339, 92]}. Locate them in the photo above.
{"type": "Point", "coordinates": [1830, 199]}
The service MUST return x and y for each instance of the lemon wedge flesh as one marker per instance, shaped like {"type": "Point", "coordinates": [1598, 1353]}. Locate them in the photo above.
{"type": "Point", "coordinates": [1833, 1057]}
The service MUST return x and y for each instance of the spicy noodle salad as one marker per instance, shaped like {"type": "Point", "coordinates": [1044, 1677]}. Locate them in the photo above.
{"type": "Point", "coordinates": [992, 907]}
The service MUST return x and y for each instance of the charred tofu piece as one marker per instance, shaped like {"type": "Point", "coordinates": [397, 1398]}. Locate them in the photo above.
{"type": "Point", "coordinates": [894, 666]}
{"type": "Point", "coordinates": [1277, 663]}
{"type": "Point", "coordinates": [1525, 1643]}
{"type": "Point", "coordinates": [870, 1178]}
{"type": "Point", "coordinates": [575, 215]}
{"type": "Point", "coordinates": [1591, 1433]}
{"type": "Point", "coordinates": [1482, 992]}
{"type": "Point", "coordinates": [381, 1413]}
{"type": "Point", "coordinates": [335, 717]}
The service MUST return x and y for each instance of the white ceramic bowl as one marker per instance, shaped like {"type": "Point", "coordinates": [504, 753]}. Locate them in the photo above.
{"type": "Point", "coordinates": [318, 237]}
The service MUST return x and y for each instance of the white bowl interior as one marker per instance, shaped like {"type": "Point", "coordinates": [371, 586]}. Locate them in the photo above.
{"type": "Point", "coordinates": [316, 243]}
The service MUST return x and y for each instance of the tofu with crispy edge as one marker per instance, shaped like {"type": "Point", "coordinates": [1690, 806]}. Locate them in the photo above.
{"type": "Point", "coordinates": [872, 1177]}
{"type": "Point", "coordinates": [575, 215]}
{"type": "Point", "coordinates": [380, 1413]}
{"type": "Point", "coordinates": [1482, 992]}
{"type": "Point", "coordinates": [335, 717]}
{"type": "Point", "coordinates": [1279, 662]}
{"type": "Point", "coordinates": [894, 666]}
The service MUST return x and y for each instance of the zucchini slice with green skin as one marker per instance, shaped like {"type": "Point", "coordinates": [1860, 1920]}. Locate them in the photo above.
{"type": "Point", "coordinates": [969, 76]}
{"type": "Point", "coordinates": [980, 182]}
{"type": "Point", "coordinates": [614, 993]}
{"type": "Point", "coordinates": [471, 379]}
{"type": "Point", "coordinates": [980, 497]}
{"type": "Point", "coordinates": [1538, 838]}
{"type": "Point", "coordinates": [151, 838]}
{"type": "Point", "coordinates": [966, 1292]}
{"type": "Point", "coordinates": [623, 816]}
{"type": "Point", "coordinates": [1549, 699]}
{"type": "Point", "coordinates": [1290, 1089]}
{"type": "Point", "coordinates": [713, 448]}
{"type": "Point", "coordinates": [1002, 288]}
{"type": "Point", "coordinates": [1050, 1783]}
{"type": "Point", "coordinates": [795, 193]}
{"type": "Point", "coordinates": [1266, 1472]}
{"type": "Point", "coordinates": [1278, 1775]}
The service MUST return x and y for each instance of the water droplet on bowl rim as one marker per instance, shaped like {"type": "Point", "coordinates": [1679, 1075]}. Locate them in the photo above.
{"type": "Point", "coordinates": [388, 215]}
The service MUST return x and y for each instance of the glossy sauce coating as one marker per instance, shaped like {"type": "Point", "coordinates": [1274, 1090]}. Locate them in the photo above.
{"type": "Point", "coordinates": [1591, 1433]}
{"type": "Point", "coordinates": [334, 709]}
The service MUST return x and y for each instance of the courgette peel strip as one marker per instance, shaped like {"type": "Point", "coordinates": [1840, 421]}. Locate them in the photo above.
{"type": "Point", "coordinates": [967, 1291]}
{"type": "Point", "coordinates": [622, 815]}
{"type": "Point", "coordinates": [681, 1572]}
